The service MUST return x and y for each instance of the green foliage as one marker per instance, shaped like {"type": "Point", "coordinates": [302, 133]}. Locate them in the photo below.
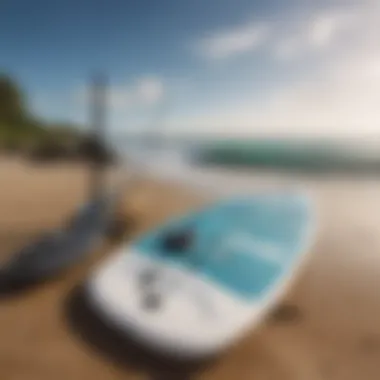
{"type": "Point", "coordinates": [19, 130]}
{"type": "Point", "coordinates": [13, 111]}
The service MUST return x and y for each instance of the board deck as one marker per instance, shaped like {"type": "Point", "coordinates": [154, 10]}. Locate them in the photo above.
{"type": "Point", "coordinates": [245, 252]}
{"type": "Point", "coordinates": [242, 245]}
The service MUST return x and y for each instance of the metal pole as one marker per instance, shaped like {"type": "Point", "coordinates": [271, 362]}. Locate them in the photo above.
{"type": "Point", "coordinates": [98, 103]}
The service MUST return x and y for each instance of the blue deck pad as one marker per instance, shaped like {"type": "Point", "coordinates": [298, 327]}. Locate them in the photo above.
{"type": "Point", "coordinates": [242, 245]}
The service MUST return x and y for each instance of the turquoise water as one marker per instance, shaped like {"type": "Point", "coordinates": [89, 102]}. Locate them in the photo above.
{"type": "Point", "coordinates": [247, 271]}
{"type": "Point", "coordinates": [289, 154]}
{"type": "Point", "coordinates": [309, 155]}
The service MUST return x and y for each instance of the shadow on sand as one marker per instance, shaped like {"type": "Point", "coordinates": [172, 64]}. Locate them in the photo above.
{"type": "Point", "coordinates": [38, 248]}
{"type": "Point", "coordinates": [119, 348]}
{"type": "Point", "coordinates": [10, 288]}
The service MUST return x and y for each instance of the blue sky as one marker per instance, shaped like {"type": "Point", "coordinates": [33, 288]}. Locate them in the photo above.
{"type": "Point", "coordinates": [203, 66]}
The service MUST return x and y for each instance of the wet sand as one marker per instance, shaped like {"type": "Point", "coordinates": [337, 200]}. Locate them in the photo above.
{"type": "Point", "coordinates": [327, 327]}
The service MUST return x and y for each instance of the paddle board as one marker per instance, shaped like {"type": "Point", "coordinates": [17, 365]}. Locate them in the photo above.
{"type": "Point", "coordinates": [197, 284]}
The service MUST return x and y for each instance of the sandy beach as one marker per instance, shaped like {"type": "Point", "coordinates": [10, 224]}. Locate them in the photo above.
{"type": "Point", "coordinates": [335, 333]}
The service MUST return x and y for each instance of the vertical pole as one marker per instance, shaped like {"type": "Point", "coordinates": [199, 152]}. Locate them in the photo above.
{"type": "Point", "coordinates": [97, 132]}
{"type": "Point", "coordinates": [155, 135]}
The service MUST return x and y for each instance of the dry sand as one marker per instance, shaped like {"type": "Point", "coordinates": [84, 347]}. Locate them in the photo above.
{"type": "Point", "coordinates": [335, 335]}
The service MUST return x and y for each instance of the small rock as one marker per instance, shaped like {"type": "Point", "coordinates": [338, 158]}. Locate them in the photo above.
{"type": "Point", "coordinates": [286, 313]}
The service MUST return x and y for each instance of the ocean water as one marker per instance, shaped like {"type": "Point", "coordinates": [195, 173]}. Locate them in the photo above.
{"type": "Point", "coordinates": [305, 156]}
{"type": "Point", "coordinates": [181, 164]}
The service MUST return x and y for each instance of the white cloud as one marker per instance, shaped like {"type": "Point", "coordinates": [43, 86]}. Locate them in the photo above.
{"type": "Point", "coordinates": [287, 49]}
{"type": "Point", "coordinates": [144, 92]}
{"type": "Point", "coordinates": [338, 95]}
{"type": "Point", "coordinates": [149, 90]}
{"type": "Point", "coordinates": [287, 36]}
{"type": "Point", "coordinates": [325, 28]}
{"type": "Point", "coordinates": [316, 32]}
{"type": "Point", "coordinates": [342, 101]}
{"type": "Point", "coordinates": [345, 102]}
{"type": "Point", "coordinates": [235, 41]}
